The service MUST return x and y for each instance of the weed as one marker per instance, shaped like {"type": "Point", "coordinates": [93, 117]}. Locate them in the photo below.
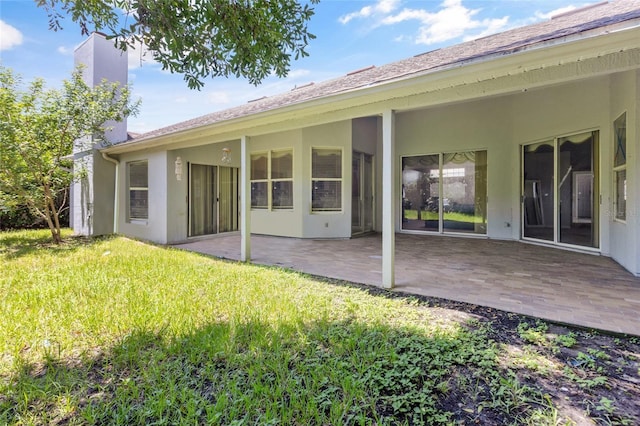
{"type": "Point", "coordinates": [535, 334]}
{"type": "Point", "coordinates": [566, 340]}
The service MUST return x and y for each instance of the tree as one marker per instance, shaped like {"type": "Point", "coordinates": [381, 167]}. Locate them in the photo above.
{"type": "Point", "coordinates": [38, 130]}
{"type": "Point", "coordinates": [199, 38]}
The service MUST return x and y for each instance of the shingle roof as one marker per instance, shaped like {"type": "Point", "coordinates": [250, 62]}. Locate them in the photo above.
{"type": "Point", "coordinates": [588, 19]}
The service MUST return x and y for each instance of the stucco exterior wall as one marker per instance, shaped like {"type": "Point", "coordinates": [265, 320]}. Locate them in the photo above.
{"type": "Point", "coordinates": [480, 125]}
{"type": "Point", "coordinates": [366, 136]}
{"type": "Point", "coordinates": [178, 190]}
{"type": "Point", "coordinates": [327, 224]}
{"type": "Point", "coordinates": [624, 235]}
{"type": "Point", "coordinates": [285, 222]}
{"type": "Point", "coordinates": [501, 125]}
{"type": "Point", "coordinates": [155, 227]}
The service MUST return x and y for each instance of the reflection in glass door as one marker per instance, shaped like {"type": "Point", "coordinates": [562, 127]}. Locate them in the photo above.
{"type": "Point", "coordinates": [560, 188]}
{"type": "Point", "coordinates": [362, 193]}
{"type": "Point", "coordinates": [445, 192]}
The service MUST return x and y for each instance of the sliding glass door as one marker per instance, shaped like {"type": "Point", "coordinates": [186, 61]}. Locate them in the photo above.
{"type": "Point", "coordinates": [213, 195]}
{"type": "Point", "coordinates": [445, 192]}
{"type": "Point", "coordinates": [362, 193]}
{"type": "Point", "coordinates": [202, 211]}
{"type": "Point", "coordinates": [560, 188]}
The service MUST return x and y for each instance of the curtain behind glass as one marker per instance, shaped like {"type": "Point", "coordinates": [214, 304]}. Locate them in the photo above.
{"type": "Point", "coordinates": [228, 206]}
{"type": "Point", "coordinates": [202, 200]}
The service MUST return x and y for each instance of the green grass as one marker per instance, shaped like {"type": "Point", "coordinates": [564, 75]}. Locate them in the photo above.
{"type": "Point", "coordinates": [116, 331]}
{"type": "Point", "coordinates": [453, 216]}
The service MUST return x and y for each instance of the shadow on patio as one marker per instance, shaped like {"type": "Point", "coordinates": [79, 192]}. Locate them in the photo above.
{"type": "Point", "coordinates": [558, 285]}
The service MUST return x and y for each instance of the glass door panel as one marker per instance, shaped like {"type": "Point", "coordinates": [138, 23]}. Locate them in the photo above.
{"type": "Point", "coordinates": [362, 193]}
{"type": "Point", "coordinates": [538, 191]}
{"type": "Point", "coordinates": [202, 200]}
{"type": "Point", "coordinates": [560, 188]}
{"type": "Point", "coordinates": [421, 193]}
{"type": "Point", "coordinates": [228, 199]}
{"type": "Point", "coordinates": [367, 193]}
{"type": "Point", "coordinates": [464, 188]}
{"type": "Point", "coordinates": [577, 189]}
{"type": "Point", "coordinates": [356, 193]}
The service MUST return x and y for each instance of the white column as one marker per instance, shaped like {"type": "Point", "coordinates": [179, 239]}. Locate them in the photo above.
{"type": "Point", "coordinates": [388, 199]}
{"type": "Point", "coordinates": [245, 200]}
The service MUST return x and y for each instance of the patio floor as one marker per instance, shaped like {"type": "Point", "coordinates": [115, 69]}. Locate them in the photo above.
{"type": "Point", "coordinates": [559, 285]}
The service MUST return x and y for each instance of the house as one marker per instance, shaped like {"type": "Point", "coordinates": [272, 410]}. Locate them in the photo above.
{"type": "Point", "coordinates": [531, 134]}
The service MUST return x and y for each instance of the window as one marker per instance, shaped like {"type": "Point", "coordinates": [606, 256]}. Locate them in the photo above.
{"type": "Point", "coordinates": [620, 167]}
{"type": "Point", "coordinates": [138, 179]}
{"type": "Point", "coordinates": [272, 169]}
{"type": "Point", "coordinates": [326, 180]}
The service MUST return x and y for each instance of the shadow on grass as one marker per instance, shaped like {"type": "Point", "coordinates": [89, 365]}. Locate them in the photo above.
{"type": "Point", "coordinates": [327, 372]}
{"type": "Point", "coordinates": [15, 244]}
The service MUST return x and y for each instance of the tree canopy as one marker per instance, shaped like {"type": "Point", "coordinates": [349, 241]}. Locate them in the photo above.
{"type": "Point", "coordinates": [200, 38]}
{"type": "Point", "coordinates": [38, 130]}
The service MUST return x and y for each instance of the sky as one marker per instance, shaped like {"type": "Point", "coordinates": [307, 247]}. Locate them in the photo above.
{"type": "Point", "coordinates": [351, 35]}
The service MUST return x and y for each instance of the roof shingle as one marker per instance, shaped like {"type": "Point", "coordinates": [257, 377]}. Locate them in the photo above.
{"type": "Point", "coordinates": [586, 20]}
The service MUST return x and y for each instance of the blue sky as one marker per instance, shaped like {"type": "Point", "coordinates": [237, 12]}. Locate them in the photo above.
{"type": "Point", "coordinates": [350, 35]}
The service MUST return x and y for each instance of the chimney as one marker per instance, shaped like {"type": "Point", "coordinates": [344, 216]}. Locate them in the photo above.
{"type": "Point", "coordinates": [92, 196]}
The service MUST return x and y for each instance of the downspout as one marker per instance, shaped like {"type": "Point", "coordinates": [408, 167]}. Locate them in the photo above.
{"type": "Point", "coordinates": [116, 191]}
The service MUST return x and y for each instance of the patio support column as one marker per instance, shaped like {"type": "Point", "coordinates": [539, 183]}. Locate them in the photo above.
{"type": "Point", "coordinates": [388, 199]}
{"type": "Point", "coordinates": [245, 200]}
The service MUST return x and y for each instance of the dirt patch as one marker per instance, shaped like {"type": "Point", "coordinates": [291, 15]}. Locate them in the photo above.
{"type": "Point", "coordinates": [590, 376]}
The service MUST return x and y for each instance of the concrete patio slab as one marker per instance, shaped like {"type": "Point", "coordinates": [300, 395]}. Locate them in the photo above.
{"type": "Point", "coordinates": [559, 285]}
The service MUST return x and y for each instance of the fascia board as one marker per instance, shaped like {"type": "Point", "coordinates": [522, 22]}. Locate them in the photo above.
{"type": "Point", "coordinates": [459, 74]}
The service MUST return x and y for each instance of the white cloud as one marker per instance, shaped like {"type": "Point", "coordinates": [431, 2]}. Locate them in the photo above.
{"type": "Point", "coordinates": [298, 73]}
{"type": "Point", "coordinates": [549, 15]}
{"type": "Point", "coordinates": [218, 97]}
{"type": "Point", "coordinates": [382, 7]}
{"type": "Point", "coordinates": [63, 50]}
{"type": "Point", "coordinates": [493, 26]}
{"type": "Point", "coordinates": [139, 55]}
{"type": "Point", "coordinates": [452, 20]}
{"type": "Point", "coordinates": [11, 36]}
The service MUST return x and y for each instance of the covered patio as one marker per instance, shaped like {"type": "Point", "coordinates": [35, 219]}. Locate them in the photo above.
{"type": "Point", "coordinates": [559, 285]}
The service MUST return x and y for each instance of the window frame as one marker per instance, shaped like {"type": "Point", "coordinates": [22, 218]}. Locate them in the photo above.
{"type": "Point", "coordinates": [619, 169]}
{"type": "Point", "coordinates": [340, 180]}
{"type": "Point", "coordinates": [270, 180]}
{"type": "Point", "coordinates": [440, 189]}
{"type": "Point", "coordinates": [130, 217]}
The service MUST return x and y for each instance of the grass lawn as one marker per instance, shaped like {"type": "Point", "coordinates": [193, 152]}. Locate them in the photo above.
{"type": "Point", "coordinates": [116, 331]}
{"type": "Point", "coordinates": [454, 216]}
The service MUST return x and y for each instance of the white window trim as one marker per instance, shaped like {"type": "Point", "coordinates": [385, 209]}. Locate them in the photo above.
{"type": "Point", "coordinates": [270, 181]}
{"type": "Point", "coordinates": [340, 179]}
{"type": "Point", "coordinates": [130, 219]}
{"type": "Point", "coordinates": [616, 170]}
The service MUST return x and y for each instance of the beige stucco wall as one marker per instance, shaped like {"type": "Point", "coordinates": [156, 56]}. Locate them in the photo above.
{"type": "Point", "coordinates": [498, 124]}
{"type": "Point", "coordinates": [501, 125]}
{"type": "Point", "coordinates": [624, 235]}
{"type": "Point", "coordinates": [286, 223]}
{"type": "Point", "coordinates": [300, 221]}
{"type": "Point", "coordinates": [327, 224]}
{"type": "Point", "coordinates": [177, 199]}
{"type": "Point", "coordinates": [155, 227]}
{"type": "Point", "coordinates": [480, 125]}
